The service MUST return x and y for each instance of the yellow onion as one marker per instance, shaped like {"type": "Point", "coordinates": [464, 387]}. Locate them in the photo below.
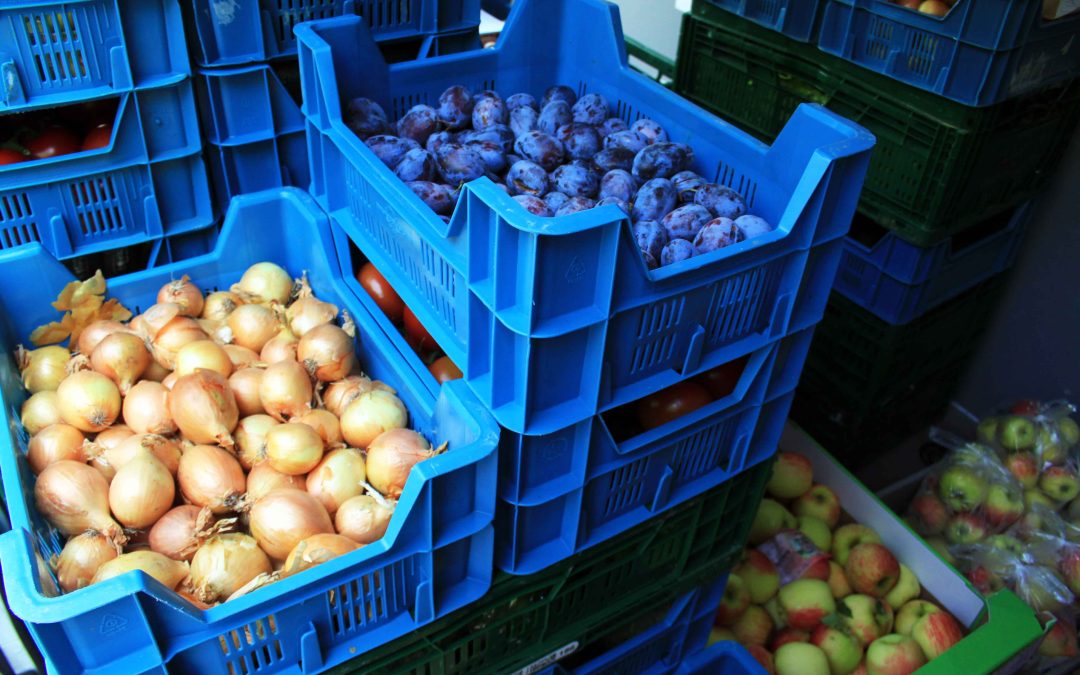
{"type": "Point", "coordinates": [293, 448]}
{"type": "Point", "coordinates": [285, 390]}
{"type": "Point", "coordinates": [154, 319]}
{"type": "Point", "coordinates": [264, 282]}
{"type": "Point", "coordinates": [106, 440]}
{"type": "Point", "coordinates": [54, 443]}
{"type": "Point", "coordinates": [184, 294]}
{"type": "Point", "coordinates": [210, 476]}
{"type": "Point", "coordinates": [244, 384]}
{"type": "Point", "coordinates": [169, 381]}
{"type": "Point", "coordinates": [155, 372]}
{"type": "Point", "coordinates": [391, 456]}
{"type": "Point", "coordinates": [253, 326]}
{"type": "Point", "coordinates": [113, 436]}
{"type": "Point", "coordinates": [369, 415]}
{"type": "Point", "coordinates": [146, 409]}
{"type": "Point", "coordinates": [166, 570]}
{"type": "Point", "coordinates": [220, 304]}
{"type": "Point", "coordinates": [327, 352]}
{"type": "Point", "coordinates": [166, 450]}
{"type": "Point", "coordinates": [97, 331]}
{"type": "Point", "coordinates": [39, 411]}
{"type": "Point", "coordinates": [338, 395]}
{"type": "Point", "coordinates": [121, 357]}
{"type": "Point", "coordinates": [284, 518]}
{"type": "Point", "coordinates": [307, 313]}
{"type": "Point", "coordinates": [43, 369]}
{"type": "Point", "coordinates": [241, 357]}
{"type": "Point", "coordinates": [181, 530]}
{"type": "Point", "coordinates": [219, 331]}
{"type": "Point", "coordinates": [204, 408]}
{"type": "Point", "coordinates": [80, 559]}
{"type": "Point", "coordinates": [141, 491]}
{"type": "Point", "coordinates": [250, 438]}
{"type": "Point", "coordinates": [74, 498]}
{"type": "Point", "coordinates": [326, 424]}
{"type": "Point", "coordinates": [224, 564]}
{"type": "Point", "coordinates": [89, 401]}
{"type": "Point", "coordinates": [175, 334]}
{"type": "Point", "coordinates": [363, 518]}
{"type": "Point", "coordinates": [316, 550]}
{"type": "Point", "coordinates": [264, 479]}
{"type": "Point", "coordinates": [281, 347]}
{"type": "Point", "coordinates": [205, 354]}
{"type": "Point", "coordinates": [338, 477]}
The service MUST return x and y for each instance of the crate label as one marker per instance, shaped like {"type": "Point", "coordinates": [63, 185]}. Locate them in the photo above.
{"type": "Point", "coordinates": [544, 662]}
{"type": "Point", "coordinates": [112, 624]}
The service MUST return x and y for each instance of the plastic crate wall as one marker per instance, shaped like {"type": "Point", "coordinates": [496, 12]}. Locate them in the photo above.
{"type": "Point", "coordinates": [797, 19]}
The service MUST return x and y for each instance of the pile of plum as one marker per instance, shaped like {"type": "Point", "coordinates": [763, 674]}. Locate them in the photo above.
{"type": "Point", "coordinates": [562, 155]}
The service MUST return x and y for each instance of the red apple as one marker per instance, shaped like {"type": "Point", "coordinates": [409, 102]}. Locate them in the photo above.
{"type": "Point", "coordinates": [1059, 483]}
{"type": "Point", "coordinates": [928, 514]}
{"type": "Point", "coordinates": [935, 633]}
{"type": "Point", "coordinates": [753, 627]}
{"type": "Point", "coordinates": [1004, 505]}
{"type": "Point", "coordinates": [1069, 565]}
{"type": "Point", "coordinates": [759, 575]}
{"type": "Point", "coordinates": [819, 569]}
{"type": "Point", "coordinates": [848, 537]}
{"type": "Point", "coordinates": [735, 601]}
{"type": "Point", "coordinates": [806, 602]}
{"type": "Point", "coordinates": [762, 656]}
{"type": "Point", "coordinates": [872, 569]}
{"type": "Point", "coordinates": [894, 654]}
{"type": "Point", "coordinates": [786, 635]}
{"type": "Point", "coordinates": [1059, 641]}
{"type": "Point", "coordinates": [1024, 467]}
{"type": "Point", "coordinates": [865, 617]}
{"type": "Point", "coordinates": [965, 528]}
{"type": "Point", "coordinates": [910, 612]}
{"type": "Point", "coordinates": [820, 502]}
{"type": "Point", "coordinates": [841, 648]}
{"type": "Point", "coordinates": [792, 476]}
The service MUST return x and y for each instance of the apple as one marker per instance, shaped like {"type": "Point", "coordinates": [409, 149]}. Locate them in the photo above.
{"type": "Point", "coordinates": [864, 617]}
{"type": "Point", "coordinates": [860, 669]}
{"type": "Point", "coordinates": [792, 476]}
{"type": "Point", "coordinates": [894, 654]}
{"type": "Point", "coordinates": [800, 658]}
{"type": "Point", "coordinates": [720, 634]}
{"type": "Point", "coordinates": [1016, 433]}
{"type": "Point", "coordinates": [1059, 641]}
{"type": "Point", "coordinates": [771, 517]}
{"type": "Point", "coordinates": [837, 580]}
{"type": "Point", "coordinates": [941, 547]}
{"type": "Point", "coordinates": [806, 602]}
{"type": "Point", "coordinates": [1068, 431]}
{"type": "Point", "coordinates": [1043, 591]}
{"type": "Point", "coordinates": [965, 528]}
{"type": "Point", "coordinates": [928, 514]}
{"type": "Point", "coordinates": [762, 656]}
{"type": "Point", "coordinates": [1073, 511]}
{"type": "Point", "coordinates": [786, 635]}
{"type": "Point", "coordinates": [935, 633]}
{"type": "Point", "coordinates": [1026, 406]}
{"type": "Point", "coordinates": [1049, 446]}
{"type": "Point", "coordinates": [1024, 467]}
{"type": "Point", "coordinates": [759, 575]}
{"type": "Point", "coordinates": [961, 488]}
{"type": "Point", "coordinates": [1004, 505]}
{"type": "Point", "coordinates": [907, 588]}
{"type": "Point", "coordinates": [820, 502]}
{"type": "Point", "coordinates": [987, 430]}
{"type": "Point", "coordinates": [1032, 497]}
{"type": "Point", "coordinates": [872, 569]}
{"type": "Point", "coordinates": [753, 627]}
{"type": "Point", "coordinates": [848, 537]}
{"type": "Point", "coordinates": [841, 649]}
{"type": "Point", "coordinates": [776, 613]}
{"type": "Point", "coordinates": [1060, 483]}
{"type": "Point", "coordinates": [911, 612]}
{"type": "Point", "coordinates": [819, 569]}
{"type": "Point", "coordinates": [985, 580]}
{"type": "Point", "coordinates": [1006, 542]}
{"type": "Point", "coordinates": [817, 530]}
{"type": "Point", "coordinates": [735, 601]}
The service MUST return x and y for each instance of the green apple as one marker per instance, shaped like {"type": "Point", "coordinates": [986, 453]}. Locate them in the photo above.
{"type": "Point", "coordinates": [1024, 468]}
{"type": "Point", "coordinates": [1016, 433]}
{"type": "Point", "coordinates": [838, 581]}
{"type": "Point", "coordinates": [894, 655]}
{"type": "Point", "coordinates": [872, 569]}
{"type": "Point", "coordinates": [864, 617]}
{"type": "Point", "coordinates": [987, 430]}
{"type": "Point", "coordinates": [792, 476]}
{"type": "Point", "coordinates": [965, 528]}
{"type": "Point", "coordinates": [771, 518]}
{"type": "Point", "coordinates": [1068, 431]}
{"type": "Point", "coordinates": [1004, 505]}
{"type": "Point", "coordinates": [820, 502]}
{"type": "Point", "coordinates": [753, 627]}
{"type": "Point", "coordinates": [734, 602]}
{"type": "Point", "coordinates": [759, 575]}
{"type": "Point", "coordinates": [961, 488]}
{"type": "Point", "coordinates": [843, 650]}
{"type": "Point", "coordinates": [935, 633]}
{"type": "Point", "coordinates": [1050, 447]}
{"type": "Point", "coordinates": [1032, 497]}
{"type": "Point", "coordinates": [910, 612]}
{"type": "Point", "coordinates": [720, 634]}
{"type": "Point", "coordinates": [848, 537]}
{"type": "Point", "coordinates": [806, 602]}
{"type": "Point", "coordinates": [907, 588]}
{"type": "Point", "coordinates": [1060, 483]}
{"type": "Point", "coordinates": [1073, 511]}
{"type": "Point", "coordinates": [800, 658]}
{"type": "Point", "coordinates": [1006, 542]}
{"type": "Point", "coordinates": [776, 613]}
{"type": "Point", "coordinates": [817, 531]}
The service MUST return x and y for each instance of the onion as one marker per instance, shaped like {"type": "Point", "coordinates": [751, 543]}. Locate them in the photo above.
{"type": "Point", "coordinates": [369, 415]}
{"type": "Point", "coordinates": [39, 411]}
{"type": "Point", "coordinates": [327, 352]}
{"type": "Point", "coordinates": [141, 491]}
{"type": "Point", "coordinates": [210, 476]}
{"type": "Point", "coordinates": [326, 424]}
{"type": "Point", "coordinates": [281, 347]}
{"type": "Point", "coordinates": [286, 390]}
{"type": "Point", "coordinates": [43, 369]}
{"type": "Point", "coordinates": [166, 570]}
{"type": "Point", "coordinates": [155, 318]}
{"type": "Point", "coordinates": [316, 550]}
{"type": "Point", "coordinates": [252, 326]}
{"type": "Point", "coordinates": [190, 597]}
{"type": "Point", "coordinates": [174, 335]}
{"type": "Point", "coordinates": [121, 357]}
{"type": "Point", "coordinates": [184, 294]}
{"type": "Point", "coordinates": [220, 304]}
{"type": "Point", "coordinates": [89, 401]}
{"type": "Point", "coordinates": [250, 438]}
{"type": "Point", "coordinates": [182, 529]}
{"type": "Point", "coordinates": [166, 450]}
{"type": "Point", "coordinates": [244, 384]}
{"type": "Point", "coordinates": [146, 409]}
{"type": "Point", "coordinates": [338, 477]}
{"type": "Point", "coordinates": [155, 372]}
{"type": "Point", "coordinates": [293, 448]}
{"type": "Point", "coordinates": [102, 443]}
{"type": "Point", "coordinates": [307, 313]}
{"type": "Point", "coordinates": [204, 408]}
{"type": "Point", "coordinates": [241, 357]}
{"type": "Point", "coordinates": [97, 331]}
{"type": "Point", "coordinates": [264, 479]}
{"type": "Point", "coordinates": [264, 282]}
{"type": "Point", "coordinates": [226, 563]}
{"type": "Point", "coordinates": [169, 381]}
{"type": "Point", "coordinates": [54, 443]}
{"type": "Point", "coordinates": [284, 518]}
{"type": "Point", "coordinates": [338, 395]}
{"type": "Point", "coordinates": [80, 559]}
{"type": "Point", "coordinates": [74, 498]}
{"type": "Point", "coordinates": [391, 456]}
{"type": "Point", "coordinates": [113, 436]}
{"type": "Point", "coordinates": [205, 354]}
{"type": "Point", "coordinates": [363, 519]}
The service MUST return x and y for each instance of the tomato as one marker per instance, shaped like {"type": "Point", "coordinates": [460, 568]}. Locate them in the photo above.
{"type": "Point", "coordinates": [671, 403]}
{"type": "Point", "coordinates": [53, 142]}
{"type": "Point", "coordinates": [98, 137]}
{"type": "Point", "coordinates": [380, 291]}
{"type": "Point", "coordinates": [9, 156]}
{"type": "Point", "coordinates": [721, 381]}
{"type": "Point", "coordinates": [444, 370]}
{"type": "Point", "coordinates": [415, 333]}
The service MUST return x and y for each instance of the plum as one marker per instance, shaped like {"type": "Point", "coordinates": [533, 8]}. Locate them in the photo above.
{"type": "Point", "coordinates": [417, 165]}
{"type": "Point", "coordinates": [455, 107]}
{"type": "Point", "coordinates": [438, 139]}
{"type": "Point", "coordinates": [752, 226]}
{"type": "Point", "coordinates": [650, 260]}
{"type": "Point", "coordinates": [675, 251]}
{"type": "Point", "coordinates": [574, 205]}
{"type": "Point", "coordinates": [621, 203]}
{"type": "Point", "coordinates": [527, 178]}
{"type": "Point", "coordinates": [515, 101]}
{"type": "Point", "coordinates": [554, 200]}
{"type": "Point", "coordinates": [662, 160]}
{"type": "Point", "coordinates": [420, 122]}
{"type": "Point", "coordinates": [559, 92]}
{"type": "Point", "coordinates": [579, 140]}
{"type": "Point", "coordinates": [654, 200]}
{"type": "Point", "coordinates": [651, 237]}
{"type": "Point", "coordinates": [685, 221]}
{"type": "Point", "coordinates": [721, 200]}
{"type": "Point", "coordinates": [613, 158]}
{"type": "Point", "coordinates": [536, 146]}
{"type": "Point", "coordinates": [459, 164]}
{"type": "Point", "coordinates": [438, 197]}
{"type": "Point", "coordinates": [366, 118]}
{"type": "Point", "coordinates": [610, 126]}
{"type": "Point", "coordinates": [523, 119]}
{"type": "Point", "coordinates": [717, 233]}
{"type": "Point", "coordinates": [390, 149]}
{"type": "Point", "coordinates": [496, 133]}
{"type": "Point", "coordinates": [533, 205]}
{"type": "Point", "coordinates": [575, 181]}
{"type": "Point", "coordinates": [650, 130]}
{"type": "Point", "coordinates": [492, 154]}
{"type": "Point", "coordinates": [590, 109]}
{"type": "Point", "coordinates": [631, 140]}
{"type": "Point", "coordinates": [553, 116]}
{"type": "Point", "coordinates": [618, 183]}
{"type": "Point", "coordinates": [488, 110]}
{"type": "Point", "coordinates": [687, 183]}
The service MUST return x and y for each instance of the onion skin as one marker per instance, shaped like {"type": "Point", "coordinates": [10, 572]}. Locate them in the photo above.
{"type": "Point", "coordinates": [43, 369]}
{"type": "Point", "coordinates": [391, 457]}
{"type": "Point", "coordinates": [166, 570]}
{"type": "Point", "coordinates": [219, 305]}
{"type": "Point", "coordinates": [327, 352]}
{"type": "Point", "coordinates": [264, 479]}
{"type": "Point", "coordinates": [39, 411]}
{"type": "Point", "coordinates": [337, 395]}
{"type": "Point", "coordinates": [89, 401]}
{"type": "Point", "coordinates": [166, 450]}
{"type": "Point", "coordinates": [54, 443]}
{"type": "Point", "coordinates": [121, 357]}
{"type": "Point", "coordinates": [241, 357]}
{"type": "Point", "coordinates": [224, 564]}
{"type": "Point", "coordinates": [155, 372]}
{"type": "Point", "coordinates": [244, 384]}
{"type": "Point", "coordinates": [204, 408]}
{"type": "Point", "coordinates": [175, 534]}
{"type": "Point", "coordinates": [362, 519]}
{"type": "Point", "coordinates": [371, 414]}
{"type": "Point", "coordinates": [253, 326]}
{"type": "Point", "coordinates": [174, 335]}
{"type": "Point", "coordinates": [81, 558]}
{"type": "Point", "coordinates": [307, 313]}
{"type": "Point", "coordinates": [264, 282]}
{"type": "Point", "coordinates": [211, 477]}
{"type": "Point", "coordinates": [337, 478]}
{"type": "Point", "coordinates": [293, 448]}
{"type": "Point", "coordinates": [96, 450]}
{"type": "Point", "coordinates": [146, 409]}
{"type": "Point", "coordinates": [283, 518]}
{"type": "Point", "coordinates": [281, 347]}
{"type": "Point", "coordinates": [93, 334]}
{"type": "Point", "coordinates": [286, 390]}
{"type": "Point", "coordinates": [184, 294]}
{"type": "Point", "coordinates": [141, 492]}
{"type": "Point", "coordinates": [316, 550]}
{"type": "Point", "coordinates": [75, 498]}
{"type": "Point", "coordinates": [205, 354]}
{"type": "Point", "coordinates": [251, 439]}
{"type": "Point", "coordinates": [326, 424]}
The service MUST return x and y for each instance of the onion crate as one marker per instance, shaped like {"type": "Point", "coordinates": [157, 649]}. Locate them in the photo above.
{"type": "Point", "coordinates": [554, 320]}
{"type": "Point", "coordinates": [435, 557]}
{"type": "Point", "coordinates": [796, 19]}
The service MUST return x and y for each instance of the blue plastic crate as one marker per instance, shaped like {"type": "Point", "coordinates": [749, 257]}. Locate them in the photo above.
{"type": "Point", "coordinates": [435, 557]}
{"type": "Point", "coordinates": [729, 658]}
{"type": "Point", "coordinates": [149, 182]}
{"type": "Point", "coordinates": [53, 53]}
{"type": "Point", "coordinates": [978, 54]}
{"type": "Point", "coordinates": [899, 281]}
{"type": "Point", "coordinates": [796, 19]}
{"type": "Point", "coordinates": [550, 320]}
{"type": "Point", "coordinates": [233, 32]}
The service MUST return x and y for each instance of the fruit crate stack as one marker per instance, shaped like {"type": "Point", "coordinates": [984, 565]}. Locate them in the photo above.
{"type": "Point", "coordinates": [945, 203]}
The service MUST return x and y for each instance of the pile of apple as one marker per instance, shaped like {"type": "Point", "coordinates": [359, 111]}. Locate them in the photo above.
{"type": "Point", "coordinates": [816, 597]}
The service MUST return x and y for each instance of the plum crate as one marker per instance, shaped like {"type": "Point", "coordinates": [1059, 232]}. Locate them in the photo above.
{"type": "Point", "coordinates": [147, 183]}
{"type": "Point", "coordinates": [938, 167]}
{"type": "Point", "coordinates": [797, 19]}
{"type": "Point", "coordinates": [54, 53]}
{"type": "Point", "coordinates": [978, 54]}
{"type": "Point", "coordinates": [554, 320]}
{"type": "Point", "coordinates": [435, 557]}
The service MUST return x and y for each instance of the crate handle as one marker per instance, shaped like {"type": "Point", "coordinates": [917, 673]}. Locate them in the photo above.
{"type": "Point", "coordinates": [663, 489]}
{"type": "Point", "coordinates": [311, 656]}
{"type": "Point", "coordinates": [693, 350]}
{"type": "Point", "coordinates": [12, 86]}
{"type": "Point", "coordinates": [781, 317]}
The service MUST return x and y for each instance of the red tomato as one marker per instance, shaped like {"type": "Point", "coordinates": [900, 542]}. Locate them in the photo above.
{"type": "Point", "coordinates": [415, 333]}
{"type": "Point", "coordinates": [444, 370]}
{"type": "Point", "coordinates": [721, 381]}
{"type": "Point", "coordinates": [98, 137]}
{"type": "Point", "coordinates": [380, 291]}
{"type": "Point", "coordinates": [671, 403]}
{"type": "Point", "coordinates": [8, 156]}
{"type": "Point", "coordinates": [53, 142]}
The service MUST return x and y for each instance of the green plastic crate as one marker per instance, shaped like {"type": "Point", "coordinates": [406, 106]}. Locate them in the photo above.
{"type": "Point", "coordinates": [938, 166]}
{"type": "Point", "coordinates": [589, 602]}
